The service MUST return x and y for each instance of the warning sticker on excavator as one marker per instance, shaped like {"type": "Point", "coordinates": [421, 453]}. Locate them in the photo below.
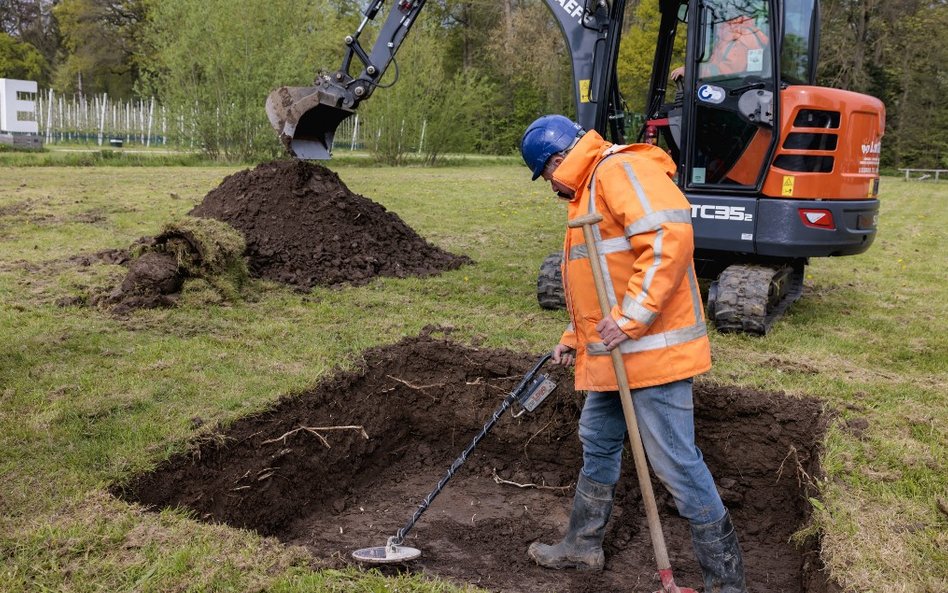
{"type": "Point", "coordinates": [788, 185]}
{"type": "Point", "coordinates": [584, 90]}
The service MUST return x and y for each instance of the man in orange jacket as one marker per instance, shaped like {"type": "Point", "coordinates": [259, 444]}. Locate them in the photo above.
{"type": "Point", "coordinates": [646, 245]}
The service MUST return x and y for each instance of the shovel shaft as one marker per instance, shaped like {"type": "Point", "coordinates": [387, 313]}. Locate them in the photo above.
{"type": "Point", "coordinates": [638, 451]}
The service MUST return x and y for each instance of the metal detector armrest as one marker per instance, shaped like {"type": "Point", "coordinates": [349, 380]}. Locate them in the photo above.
{"type": "Point", "coordinates": [533, 395]}
{"type": "Point", "coordinates": [533, 389]}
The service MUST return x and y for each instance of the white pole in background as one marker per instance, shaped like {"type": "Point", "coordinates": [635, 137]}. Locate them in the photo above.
{"type": "Point", "coordinates": [421, 141]}
{"type": "Point", "coordinates": [38, 112]}
{"type": "Point", "coordinates": [49, 118]}
{"type": "Point", "coordinates": [105, 105]}
{"type": "Point", "coordinates": [355, 132]}
{"type": "Point", "coordinates": [151, 116]}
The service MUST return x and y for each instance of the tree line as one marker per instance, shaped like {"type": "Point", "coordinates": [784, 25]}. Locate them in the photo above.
{"type": "Point", "coordinates": [471, 76]}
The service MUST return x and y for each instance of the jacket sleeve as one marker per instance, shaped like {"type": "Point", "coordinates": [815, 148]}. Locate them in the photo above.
{"type": "Point", "coordinates": [656, 219]}
{"type": "Point", "coordinates": [569, 336]}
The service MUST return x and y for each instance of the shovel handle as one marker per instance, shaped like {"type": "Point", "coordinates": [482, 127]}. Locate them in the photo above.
{"type": "Point", "coordinates": [638, 451]}
{"type": "Point", "coordinates": [588, 219]}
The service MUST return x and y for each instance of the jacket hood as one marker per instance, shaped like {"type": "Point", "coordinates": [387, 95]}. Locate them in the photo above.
{"type": "Point", "coordinates": [579, 164]}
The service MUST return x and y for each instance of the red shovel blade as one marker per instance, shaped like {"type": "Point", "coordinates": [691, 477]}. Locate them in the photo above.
{"type": "Point", "coordinates": [668, 583]}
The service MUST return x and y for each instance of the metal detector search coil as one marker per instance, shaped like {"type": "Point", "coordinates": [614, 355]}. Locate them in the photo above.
{"type": "Point", "coordinates": [390, 553]}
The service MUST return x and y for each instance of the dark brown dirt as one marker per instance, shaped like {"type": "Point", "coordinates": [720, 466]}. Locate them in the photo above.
{"type": "Point", "coordinates": [304, 227]}
{"type": "Point", "coordinates": [153, 280]}
{"type": "Point", "coordinates": [193, 248]}
{"type": "Point", "coordinates": [420, 402]}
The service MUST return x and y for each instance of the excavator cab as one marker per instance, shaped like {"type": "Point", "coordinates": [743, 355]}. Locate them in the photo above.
{"type": "Point", "coordinates": [730, 74]}
{"type": "Point", "coordinates": [777, 169]}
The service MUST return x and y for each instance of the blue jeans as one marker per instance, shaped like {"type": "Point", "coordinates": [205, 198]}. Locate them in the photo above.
{"type": "Point", "coordinates": [665, 416]}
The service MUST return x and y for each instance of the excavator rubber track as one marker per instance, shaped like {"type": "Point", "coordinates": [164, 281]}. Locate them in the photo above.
{"type": "Point", "coordinates": [550, 292]}
{"type": "Point", "coordinates": [750, 298]}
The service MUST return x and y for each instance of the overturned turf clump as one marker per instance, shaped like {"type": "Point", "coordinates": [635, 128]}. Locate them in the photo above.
{"type": "Point", "coordinates": [344, 465]}
{"type": "Point", "coordinates": [304, 227]}
{"type": "Point", "coordinates": [190, 249]}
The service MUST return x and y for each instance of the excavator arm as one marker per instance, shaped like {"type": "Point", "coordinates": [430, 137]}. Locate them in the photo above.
{"type": "Point", "coordinates": [306, 118]}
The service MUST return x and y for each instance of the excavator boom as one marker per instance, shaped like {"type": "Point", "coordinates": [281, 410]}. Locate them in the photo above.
{"type": "Point", "coordinates": [306, 118]}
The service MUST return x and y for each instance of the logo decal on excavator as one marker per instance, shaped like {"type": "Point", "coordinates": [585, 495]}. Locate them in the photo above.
{"type": "Point", "coordinates": [720, 212]}
{"type": "Point", "coordinates": [573, 8]}
{"type": "Point", "coordinates": [711, 94]}
{"type": "Point", "coordinates": [872, 148]}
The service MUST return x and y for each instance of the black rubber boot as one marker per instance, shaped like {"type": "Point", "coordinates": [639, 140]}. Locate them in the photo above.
{"type": "Point", "coordinates": [719, 555]}
{"type": "Point", "coordinates": [581, 548]}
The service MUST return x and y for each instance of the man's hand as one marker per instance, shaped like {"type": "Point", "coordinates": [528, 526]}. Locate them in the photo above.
{"type": "Point", "coordinates": [564, 355]}
{"type": "Point", "coordinates": [612, 336]}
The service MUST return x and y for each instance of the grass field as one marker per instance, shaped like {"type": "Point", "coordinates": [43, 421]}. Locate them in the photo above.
{"type": "Point", "coordinates": [87, 399]}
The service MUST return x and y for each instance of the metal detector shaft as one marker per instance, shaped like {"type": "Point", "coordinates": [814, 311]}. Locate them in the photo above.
{"type": "Point", "coordinates": [508, 401]}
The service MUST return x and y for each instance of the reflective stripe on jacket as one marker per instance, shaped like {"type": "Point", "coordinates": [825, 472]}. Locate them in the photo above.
{"type": "Point", "coordinates": [646, 244]}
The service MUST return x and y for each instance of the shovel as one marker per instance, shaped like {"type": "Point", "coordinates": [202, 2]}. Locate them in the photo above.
{"type": "Point", "coordinates": [638, 451]}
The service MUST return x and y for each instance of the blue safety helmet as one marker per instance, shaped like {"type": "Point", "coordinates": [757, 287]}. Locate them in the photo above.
{"type": "Point", "coordinates": [545, 137]}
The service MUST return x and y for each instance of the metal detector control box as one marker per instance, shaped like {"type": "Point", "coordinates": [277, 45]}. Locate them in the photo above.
{"type": "Point", "coordinates": [533, 394]}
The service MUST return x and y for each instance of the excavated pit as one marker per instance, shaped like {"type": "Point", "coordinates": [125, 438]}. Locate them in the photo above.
{"type": "Point", "coordinates": [420, 402]}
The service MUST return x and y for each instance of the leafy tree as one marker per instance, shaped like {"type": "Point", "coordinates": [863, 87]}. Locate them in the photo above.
{"type": "Point", "coordinates": [454, 118]}
{"type": "Point", "coordinates": [101, 42]}
{"type": "Point", "coordinates": [637, 52]}
{"type": "Point", "coordinates": [32, 22]}
{"type": "Point", "coordinates": [917, 85]}
{"type": "Point", "coordinates": [429, 110]}
{"type": "Point", "coordinates": [19, 59]}
{"type": "Point", "coordinates": [894, 51]}
{"type": "Point", "coordinates": [529, 66]}
{"type": "Point", "coordinates": [215, 61]}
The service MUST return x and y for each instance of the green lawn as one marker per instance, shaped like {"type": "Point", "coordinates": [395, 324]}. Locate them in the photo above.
{"type": "Point", "coordinates": [87, 399]}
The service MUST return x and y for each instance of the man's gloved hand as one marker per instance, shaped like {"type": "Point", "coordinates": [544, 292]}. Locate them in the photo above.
{"type": "Point", "coordinates": [564, 355]}
{"type": "Point", "coordinates": [612, 336]}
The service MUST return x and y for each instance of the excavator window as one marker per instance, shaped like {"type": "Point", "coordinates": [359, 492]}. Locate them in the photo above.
{"type": "Point", "coordinates": [735, 58]}
{"type": "Point", "coordinates": [798, 47]}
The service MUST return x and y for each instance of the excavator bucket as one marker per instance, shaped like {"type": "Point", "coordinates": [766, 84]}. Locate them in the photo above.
{"type": "Point", "coordinates": [306, 119]}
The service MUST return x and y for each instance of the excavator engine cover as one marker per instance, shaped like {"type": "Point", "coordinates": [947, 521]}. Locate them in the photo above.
{"type": "Point", "coordinates": [306, 118]}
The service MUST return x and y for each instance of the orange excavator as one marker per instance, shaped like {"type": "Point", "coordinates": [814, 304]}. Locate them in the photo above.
{"type": "Point", "coordinates": [777, 170]}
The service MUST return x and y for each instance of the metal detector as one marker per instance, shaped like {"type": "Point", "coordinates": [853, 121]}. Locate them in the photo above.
{"type": "Point", "coordinates": [526, 397]}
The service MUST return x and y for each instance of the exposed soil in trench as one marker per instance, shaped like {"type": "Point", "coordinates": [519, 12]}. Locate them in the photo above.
{"type": "Point", "coordinates": [421, 402]}
{"type": "Point", "coordinates": [304, 227]}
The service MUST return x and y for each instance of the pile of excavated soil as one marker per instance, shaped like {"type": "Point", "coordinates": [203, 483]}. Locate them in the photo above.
{"type": "Point", "coordinates": [420, 402]}
{"type": "Point", "coordinates": [304, 227]}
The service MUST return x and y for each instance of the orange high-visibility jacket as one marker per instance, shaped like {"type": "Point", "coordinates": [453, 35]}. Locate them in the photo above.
{"type": "Point", "coordinates": [646, 245]}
